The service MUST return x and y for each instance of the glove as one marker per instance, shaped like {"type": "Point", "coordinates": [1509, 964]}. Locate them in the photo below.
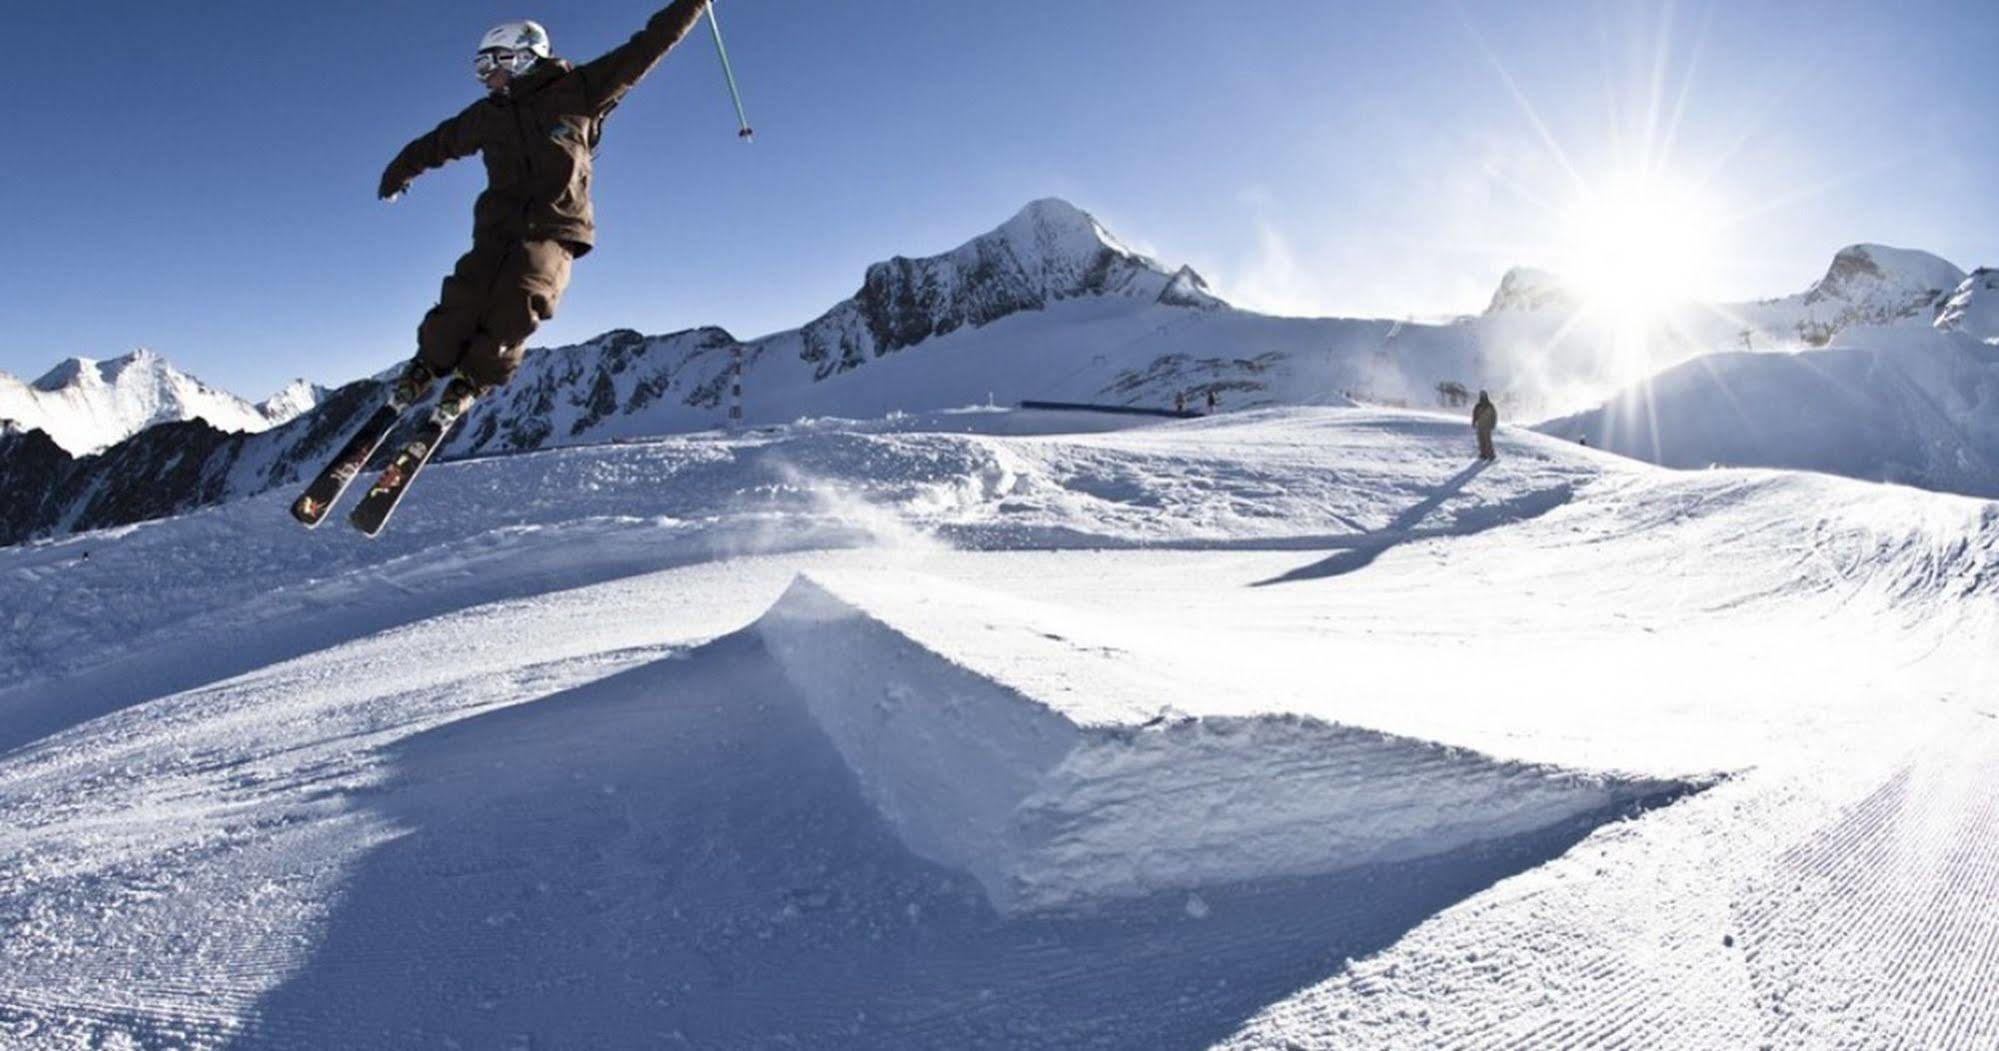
{"type": "Point", "coordinates": [391, 191]}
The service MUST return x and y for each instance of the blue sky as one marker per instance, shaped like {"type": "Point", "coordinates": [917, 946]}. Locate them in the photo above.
{"type": "Point", "coordinates": [198, 178]}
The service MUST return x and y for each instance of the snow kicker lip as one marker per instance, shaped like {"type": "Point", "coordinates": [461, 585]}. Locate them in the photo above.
{"type": "Point", "coordinates": [1060, 785]}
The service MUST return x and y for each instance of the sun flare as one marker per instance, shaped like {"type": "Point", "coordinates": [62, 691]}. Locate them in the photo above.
{"type": "Point", "coordinates": [1638, 246]}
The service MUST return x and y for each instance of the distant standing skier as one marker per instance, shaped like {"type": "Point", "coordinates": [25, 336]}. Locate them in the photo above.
{"type": "Point", "coordinates": [1484, 417]}
{"type": "Point", "coordinates": [537, 129]}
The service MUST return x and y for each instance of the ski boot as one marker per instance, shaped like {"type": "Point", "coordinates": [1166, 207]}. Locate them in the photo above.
{"type": "Point", "coordinates": [409, 388]}
{"type": "Point", "coordinates": [324, 491]}
{"type": "Point", "coordinates": [382, 497]}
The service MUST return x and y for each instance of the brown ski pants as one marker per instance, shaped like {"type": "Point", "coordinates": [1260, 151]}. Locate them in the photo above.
{"type": "Point", "coordinates": [499, 293]}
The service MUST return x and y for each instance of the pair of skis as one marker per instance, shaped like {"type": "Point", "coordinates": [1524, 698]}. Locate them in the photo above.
{"type": "Point", "coordinates": [372, 513]}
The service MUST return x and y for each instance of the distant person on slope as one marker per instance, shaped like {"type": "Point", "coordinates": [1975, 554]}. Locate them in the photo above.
{"type": "Point", "coordinates": [537, 129]}
{"type": "Point", "coordinates": [1484, 417]}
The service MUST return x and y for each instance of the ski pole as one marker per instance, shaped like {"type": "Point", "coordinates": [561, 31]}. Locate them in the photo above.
{"type": "Point", "coordinates": [730, 75]}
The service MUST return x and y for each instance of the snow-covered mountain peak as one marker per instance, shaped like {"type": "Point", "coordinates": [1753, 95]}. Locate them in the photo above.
{"type": "Point", "coordinates": [1889, 283]}
{"type": "Point", "coordinates": [68, 372]}
{"type": "Point", "coordinates": [1050, 248]}
{"type": "Point", "coordinates": [296, 399]}
{"type": "Point", "coordinates": [1525, 288]}
{"type": "Point", "coordinates": [1052, 229]}
{"type": "Point", "coordinates": [89, 372]}
{"type": "Point", "coordinates": [1047, 252]}
{"type": "Point", "coordinates": [142, 361]}
{"type": "Point", "coordinates": [1866, 285]}
{"type": "Point", "coordinates": [1189, 289]}
{"type": "Point", "coordinates": [1973, 308]}
{"type": "Point", "coordinates": [87, 405]}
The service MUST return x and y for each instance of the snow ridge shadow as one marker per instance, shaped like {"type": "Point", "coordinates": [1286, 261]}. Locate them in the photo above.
{"type": "Point", "coordinates": [1360, 552]}
{"type": "Point", "coordinates": [677, 855]}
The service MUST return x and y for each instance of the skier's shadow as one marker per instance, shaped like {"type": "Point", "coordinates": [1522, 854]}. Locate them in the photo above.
{"type": "Point", "coordinates": [676, 856]}
{"type": "Point", "coordinates": [1366, 548]}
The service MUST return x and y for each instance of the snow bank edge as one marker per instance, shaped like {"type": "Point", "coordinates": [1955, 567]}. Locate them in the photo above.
{"type": "Point", "coordinates": [1046, 814]}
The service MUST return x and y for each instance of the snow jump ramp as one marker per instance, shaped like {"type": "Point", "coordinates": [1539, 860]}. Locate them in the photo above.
{"type": "Point", "coordinates": [1036, 748]}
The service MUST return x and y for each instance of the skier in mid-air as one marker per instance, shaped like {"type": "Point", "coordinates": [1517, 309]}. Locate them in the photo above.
{"type": "Point", "coordinates": [536, 128]}
{"type": "Point", "coordinates": [1485, 417]}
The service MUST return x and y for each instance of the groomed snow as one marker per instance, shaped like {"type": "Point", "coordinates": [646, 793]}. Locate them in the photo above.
{"type": "Point", "coordinates": [1058, 769]}
{"type": "Point", "coordinates": [1292, 728]}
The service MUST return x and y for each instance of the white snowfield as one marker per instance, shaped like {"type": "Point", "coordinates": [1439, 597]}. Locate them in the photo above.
{"type": "Point", "coordinates": [1295, 728]}
{"type": "Point", "coordinates": [1910, 405]}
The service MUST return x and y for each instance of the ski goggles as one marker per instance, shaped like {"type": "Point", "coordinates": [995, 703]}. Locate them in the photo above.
{"type": "Point", "coordinates": [514, 61]}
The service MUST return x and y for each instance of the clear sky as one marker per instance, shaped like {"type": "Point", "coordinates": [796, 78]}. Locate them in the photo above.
{"type": "Point", "coordinates": [199, 177]}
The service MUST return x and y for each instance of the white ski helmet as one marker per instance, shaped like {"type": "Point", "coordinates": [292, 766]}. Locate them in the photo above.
{"type": "Point", "coordinates": [521, 44]}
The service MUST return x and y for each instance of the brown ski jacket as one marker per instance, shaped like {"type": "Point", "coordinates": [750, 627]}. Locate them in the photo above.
{"type": "Point", "coordinates": [1484, 415]}
{"type": "Point", "coordinates": [538, 135]}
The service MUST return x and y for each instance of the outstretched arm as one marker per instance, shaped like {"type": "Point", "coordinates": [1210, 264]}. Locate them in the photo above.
{"type": "Point", "coordinates": [451, 140]}
{"type": "Point", "coordinates": [608, 78]}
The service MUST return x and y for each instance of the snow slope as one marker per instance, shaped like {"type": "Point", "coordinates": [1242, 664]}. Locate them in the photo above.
{"type": "Point", "coordinates": [1289, 728]}
{"type": "Point", "coordinates": [1914, 406]}
{"type": "Point", "coordinates": [88, 406]}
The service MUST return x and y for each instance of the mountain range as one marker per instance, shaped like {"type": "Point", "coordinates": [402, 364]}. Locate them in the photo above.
{"type": "Point", "coordinates": [1049, 305]}
{"type": "Point", "coordinates": [87, 406]}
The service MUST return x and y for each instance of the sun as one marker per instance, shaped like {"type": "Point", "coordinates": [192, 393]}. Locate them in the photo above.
{"type": "Point", "coordinates": [1639, 246]}
{"type": "Point", "coordinates": [1637, 226]}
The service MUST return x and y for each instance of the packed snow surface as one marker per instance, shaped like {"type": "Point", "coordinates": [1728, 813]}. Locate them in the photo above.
{"type": "Point", "coordinates": [1291, 729]}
